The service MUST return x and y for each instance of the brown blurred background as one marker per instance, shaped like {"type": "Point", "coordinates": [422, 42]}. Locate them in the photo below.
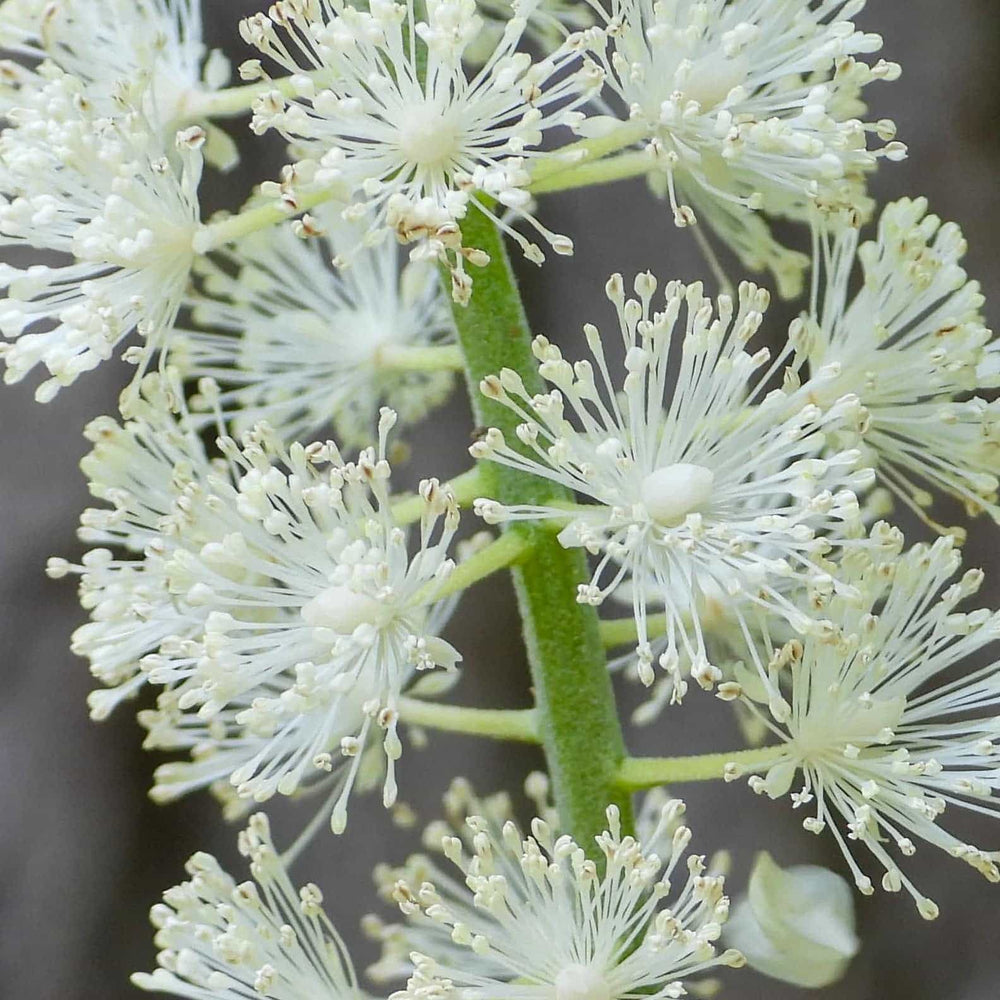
{"type": "Point", "coordinates": [83, 853]}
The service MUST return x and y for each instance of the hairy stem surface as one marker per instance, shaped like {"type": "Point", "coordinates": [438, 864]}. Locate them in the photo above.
{"type": "Point", "coordinates": [648, 772]}
{"type": "Point", "coordinates": [577, 717]}
{"type": "Point", "coordinates": [520, 725]}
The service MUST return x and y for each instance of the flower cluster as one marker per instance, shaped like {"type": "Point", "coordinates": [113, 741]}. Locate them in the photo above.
{"type": "Point", "coordinates": [278, 605]}
{"type": "Point", "coordinates": [677, 511]}
{"type": "Point", "coordinates": [747, 107]}
{"type": "Point", "coordinates": [223, 940]}
{"type": "Point", "coordinates": [913, 345]}
{"type": "Point", "coordinates": [385, 107]}
{"type": "Point", "coordinates": [147, 473]}
{"type": "Point", "coordinates": [533, 916]}
{"type": "Point", "coordinates": [111, 46]}
{"type": "Point", "coordinates": [294, 343]}
{"type": "Point", "coordinates": [119, 209]}
{"type": "Point", "coordinates": [886, 717]}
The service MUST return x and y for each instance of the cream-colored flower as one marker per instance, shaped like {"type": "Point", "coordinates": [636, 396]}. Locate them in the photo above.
{"type": "Point", "coordinates": [695, 484]}
{"type": "Point", "coordinates": [884, 719]}
{"type": "Point", "coordinates": [795, 924]}
{"type": "Point", "coordinates": [414, 144]}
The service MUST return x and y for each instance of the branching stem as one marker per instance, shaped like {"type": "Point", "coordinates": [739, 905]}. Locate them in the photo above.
{"type": "Point", "coordinates": [577, 716]}
{"type": "Point", "coordinates": [520, 725]}
{"type": "Point", "coordinates": [466, 488]}
{"type": "Point", "coordinates": [637, 773]}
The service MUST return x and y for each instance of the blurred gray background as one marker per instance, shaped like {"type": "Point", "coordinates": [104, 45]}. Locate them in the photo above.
{"type": "Point", "coordinates": [83, 853]}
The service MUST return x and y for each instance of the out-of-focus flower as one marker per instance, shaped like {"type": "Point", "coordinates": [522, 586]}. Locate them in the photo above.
{"type": "Point", "coordinates": [122, 211]}
{"type": "Point", "coordinates": [795, 924]}
{"type": "Point", "coordinates": [750, 107]}
{"type": "Point", "coordinates": [294, 343]}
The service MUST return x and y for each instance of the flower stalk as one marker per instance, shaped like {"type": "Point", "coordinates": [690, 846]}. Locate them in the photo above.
{"type": "Point", "coordinates": [577, 717]}
{"type": "Point", "coordinates": [637, 773]}
{"type": "Point", "coordinates": [506, 551]}
{"type": "Point", "coordinates": [465, 488]}
{"type": "Point", "coordinates": [518, 725]}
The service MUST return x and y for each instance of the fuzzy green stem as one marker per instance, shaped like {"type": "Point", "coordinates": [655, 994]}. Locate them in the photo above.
{"type": "Point", "coordinates": [435, 358]}
{"type": "Point", "coordinates": [614, 168]}
{"type": "Point", "coordinates": [637, 773]}
{"type": "Point", "coordinates": [467, 487]}
{"type": "Point", "coordinates": [622, 631]}
{"type": "Point", "coordinates": [217, 234]}
{"type": "Point", "coordinates": [507, 550]}
{"type": "Point", "coordinates": [577, 716]}
{"type": "Point", "coordinates": [586, 151]}
{"type": "Point", "coordinates": [520, 725]}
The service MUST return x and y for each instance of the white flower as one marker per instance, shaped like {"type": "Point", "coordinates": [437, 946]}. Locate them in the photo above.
{"type": "Point", "coordinates": [294, 343]}
{"type": "Point", "coordinates": [911, 343]}
{"type": "Point", "coordinates": [533, 917]}
{"type": "Point", "coordinates": [749, 106]}
{"type": "Point", "coordinates": [885, 716]}
{"type": "Point", "coordinates": [122, 211]}
{"type": "Point", "coordinates": [147, 472]}
{"type": "Point", "coordinates": [317, 617]}
{"type": "Point", "coordinates": [223, 940]}
{"type": "Point", "coordinates": [412, 143]}
{"type": "Point", "coordinates": [694, 491]}
{"type": "Point", "coordinates": [549, 22]}
{"type": "Point", "coordinates": [110, 46]}
{"type": "Point", "coordinates": [795, 924]}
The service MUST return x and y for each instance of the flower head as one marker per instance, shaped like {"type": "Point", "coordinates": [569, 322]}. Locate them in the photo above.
{"type": "Point", "coordinates": [223, 940]}
{"type": "Point", "coordinates": [549, 22]}
{"type": "Point", "coordinates": [146, 472]}
{"type": "Point", "coordinates": [750, 106]}
{"type": "Point", "coordinates": [120, 209]}
{"type": "Point", "coordinates": [912, 344]}
{"type": "Point", "coordinates": [113, 45]}
{"type": "Point", "coordinates": [414, 144]}
{"type": "Point", "coordinates": [295, 344]}
{"type": "Point", "coordinates": [885, 717]}
{"type": "Point", "coordinates": [795, 924]}
{"type": "Point", "coordinates": [531, 916]}
{"type": "Point", "coordinates": [316, 618]}
{"type": "Point", "coordinates": [695, 491]}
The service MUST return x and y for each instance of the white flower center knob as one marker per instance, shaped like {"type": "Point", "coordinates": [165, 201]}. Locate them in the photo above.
{"type": "Point", "coordinates": [340, 609]}
{"type": "Point", "coordinates": [578, 982]}
{"type": "Point", "coordinates": [427, 136]}
{"type": "Point", "coordinates": [671, 493]}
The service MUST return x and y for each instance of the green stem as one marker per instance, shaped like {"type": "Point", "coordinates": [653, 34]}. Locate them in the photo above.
{"type": "Point", "coordinates": [466, 487]}
{"type": "Point", "coordinates": [586, 151]}
{"type": "Point", "coordinates": [404, 357]}
{"type": "Point", "coordinates": [577, 716]}
{"type": "Point", "coordinates": [648, 772]}
{"type": "Point", "coordinates": [507, 550]}
{"type": "Point", "coordinates": [623, 631]}
{"type": "Point", "coordinates": [217, 234]}
{"type": "Point", "coordinates": [520, 725]}
{"type": "Point", "coordinates": [615, 168]}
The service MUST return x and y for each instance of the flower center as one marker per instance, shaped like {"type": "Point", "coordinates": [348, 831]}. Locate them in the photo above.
{"type": "Point", "coordinates": [830, 725]}
{"type": "Point", "coordinates": [671, 493]}
{"type": "Point", "coordinates": [341, 609]}
{"type": "Point", "coordinates": [428, 136]}
{"type": "Point", "coordinates": [711, 78]}
{"type": "Point", "coordinates": [578, 982]}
